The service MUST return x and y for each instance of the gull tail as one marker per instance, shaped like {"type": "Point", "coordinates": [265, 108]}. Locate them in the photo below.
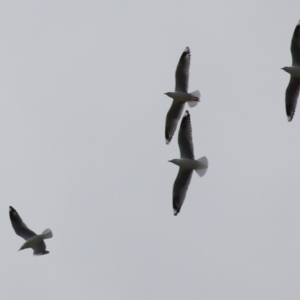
{"type": "Point", "coordinates": [194, 98]}
{"type": "Point", "coordinates": [47, 234]}
{"type": "Point", "coordinates": [203, 166]}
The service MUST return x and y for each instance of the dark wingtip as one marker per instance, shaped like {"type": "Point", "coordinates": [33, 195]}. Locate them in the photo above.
{"type": "Point", "coordinates": [187, 114]}
{"type": "Point", "coordinates": [168, 138]}
{"type": "Point", "coordinates": [11, 210]}
{"type": "Point", "coordinates": [186, 117]}
{"type": "Point", "coordinates": [290, 117]}
{"type": "Point", "coordinates": [176, 209]}
{"type": "Point", "coordinates": [185, 53]}
{"type": "Point", "coordinates": [187, 50]}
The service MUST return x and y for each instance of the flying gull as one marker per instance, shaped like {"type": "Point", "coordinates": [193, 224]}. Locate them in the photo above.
{"type": "Point", "coordinates": [292, 91]}
{"type": "Point", "coordinates": [181, 95]}
{"type": "Point", "coordinates": [33, 240]}
{"type": "Point", "coordinates": [186, 163]}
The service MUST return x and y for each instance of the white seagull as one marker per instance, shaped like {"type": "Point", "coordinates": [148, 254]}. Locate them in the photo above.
{"type": "Point", "coordinates": [187, 163]}
{"type": "Point", "coordinates": [181, 95]}
{"type": "Point", "coordinates": [33, 240]}
{"type": "Point", "coordinates": [292, 91]}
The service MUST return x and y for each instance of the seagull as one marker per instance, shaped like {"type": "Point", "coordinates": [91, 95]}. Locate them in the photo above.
{"type": "Point", "coordinates": [181, 95]}
{"type": "Point", "coordinates": [292, 91]}
{"type": "Point", "coordinates": [33, 240]}
{"type": "Point", "coordinates": [186, 163]}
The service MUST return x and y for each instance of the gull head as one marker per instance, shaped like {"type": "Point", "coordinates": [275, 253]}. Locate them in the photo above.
{"type": "Point", "coordinates": [24, 246]}
{"type": "Point", "coordinates": [289, 70]}
{"type": "Point", "coordinates": [175, 161]}
{"type": "Point", "coordinates": [169, 94]}
{"type": "Point", "coordinates": [293, 70]}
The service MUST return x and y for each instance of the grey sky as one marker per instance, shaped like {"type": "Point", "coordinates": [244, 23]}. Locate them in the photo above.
{"type": "Point", "coordinates": [83, 152]}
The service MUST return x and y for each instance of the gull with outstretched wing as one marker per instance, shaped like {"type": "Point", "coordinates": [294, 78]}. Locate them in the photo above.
{"type": "Point", "coordinates": [292, 91]}
{"type": "Point", "coordinates": [33, 240]}
{"type": "Point", "coordinates": [181, 95]}
{"type": "Point", "coordinates": [187, 163]}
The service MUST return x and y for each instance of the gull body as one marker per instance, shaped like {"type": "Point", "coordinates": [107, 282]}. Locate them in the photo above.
{"type": "Point", "coordinates": [35, 240]}
{"type": "Point", "coordinates": [32, 242]}
{"type": "Point", "coordinates": [182, 97]}
{"type": "Point", "coordinates": [187, 163]}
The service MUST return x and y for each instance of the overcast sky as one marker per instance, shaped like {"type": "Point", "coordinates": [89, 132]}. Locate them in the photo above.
{"type": "Point", "coordinates": [82, 116]}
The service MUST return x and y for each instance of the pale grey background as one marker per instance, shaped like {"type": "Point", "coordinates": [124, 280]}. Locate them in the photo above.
{"type": "Point", "coordinates": [82, 115]}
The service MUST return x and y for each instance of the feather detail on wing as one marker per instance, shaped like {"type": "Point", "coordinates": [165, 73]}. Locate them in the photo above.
{"type": "Point", "coordinates": [172, 119]}
{"type": "Point", "coordinates": [295, 46]}
{"type": "Point", "coordinates": [182, 71]}
{"type": "Point", "coordinates": [180, 188]}
{"type": "Point", "coordinates": [19, 226]}
{"type": "Point", "coordinates": [185, 140]}
{"type": "Point", "coordinates": [291, 96]}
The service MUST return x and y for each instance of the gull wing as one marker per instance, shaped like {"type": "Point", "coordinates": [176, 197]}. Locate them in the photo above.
{"type": "Point", "coordinates": [185, 140]}
{"type": "Point", "coordinates": [180, 188]}
{"type": "Point", "coordinates": [172, 119]}
{"type": "Point", "coordinates": [291, 96]}
{"type": "Point", "coordinates": [295, 46]}
{"type": "Point", "coordinates": [182, 71]}
{"type": "Point", "coordinates": [19, 226]}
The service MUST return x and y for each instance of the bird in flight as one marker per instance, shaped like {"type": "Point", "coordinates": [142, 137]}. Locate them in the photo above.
{"type": "Point", "coordinates": [181, 95]}
{"type": "Point", "coordinates": [187, 163]}
{"type": "Point", "coordinates": [292, 91]}
{"type": "Point", "coordinates": [33, 240]}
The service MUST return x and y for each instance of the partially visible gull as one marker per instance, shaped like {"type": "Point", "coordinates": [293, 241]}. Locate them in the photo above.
{"type": "Point", "coordinates": [292, 91]}
{"type": "Point", "coordinates": [187, 163]}
{"type": "Point", "coordinates": [181, 95]}
{"type": "Point", "coordinates": [33, 240]}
